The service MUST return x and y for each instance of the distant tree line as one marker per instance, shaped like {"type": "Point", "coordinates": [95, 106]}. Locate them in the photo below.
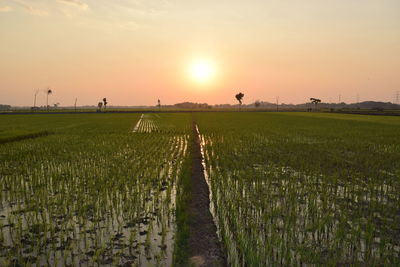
{"type": "Point", "coordinates": [192, 105]}
{"type": "Point", "coordinates": [5, 107]}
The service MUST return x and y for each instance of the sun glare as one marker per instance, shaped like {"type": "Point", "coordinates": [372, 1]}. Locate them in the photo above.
{"type": "Point", "coordinates": [202, 71]}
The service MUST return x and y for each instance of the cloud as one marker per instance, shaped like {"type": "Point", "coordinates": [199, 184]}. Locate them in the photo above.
{"type": "Point", "coordinates": [5, 9]}
{"type": "Point", "coordinates": [141, 7]}
{"type": "Point", "coordinates": [30, 9]}
{"type": "Point", "coordinates": [76, 3]}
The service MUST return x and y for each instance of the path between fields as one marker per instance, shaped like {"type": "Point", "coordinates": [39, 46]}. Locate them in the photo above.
{"type": "Point", "coordinates": [206, 249]}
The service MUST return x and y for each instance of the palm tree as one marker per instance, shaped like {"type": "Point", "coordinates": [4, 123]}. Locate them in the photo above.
{"type": "Point", "coordinates": [48, 92]}
{"type": "Point", "coordinates": [105, 102]}
{"type": "Point", "coordinates": [239, 98]}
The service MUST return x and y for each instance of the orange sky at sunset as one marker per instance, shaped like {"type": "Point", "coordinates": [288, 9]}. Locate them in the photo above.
{"type": "Point", "coordinates": [137, 51]}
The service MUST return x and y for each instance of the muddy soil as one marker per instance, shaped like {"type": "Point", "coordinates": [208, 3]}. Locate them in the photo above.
{"type": "Point", "coordinates": [205, 248]}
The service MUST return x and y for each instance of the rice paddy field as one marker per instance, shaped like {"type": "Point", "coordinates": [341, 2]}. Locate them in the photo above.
{"type": "Point", "coordinates": [286, 189]}
{"type": "Point", "coordinates": [90, 192]}
{"type": "Point", "coordinates": [298, 189]}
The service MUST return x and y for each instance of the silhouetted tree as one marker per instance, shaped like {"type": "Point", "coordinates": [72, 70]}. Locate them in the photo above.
{"type": "Point", "coordinates": [49, 92]}
{"type": "Point", "coordinates": [239, 97]}
{"type": "Point", "coordinates": [315, 101]}
{"type": "Point", "coordinates": [105, 102]}
{"type": "Point", "coordinates": [257, 104]}
{"type": "Point", "coordinates": [159, 103]}
{"type": "Point", "coordinates": [99, 105]}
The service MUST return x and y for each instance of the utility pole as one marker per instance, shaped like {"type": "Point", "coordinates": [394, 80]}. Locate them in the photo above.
{"type": "Point", "coordinates": [397, 97]}
{"type": "Point", "coordinates": [340, 98]}
{"type": "Point", "coordinates": [76, 99]}
{"type": "Point", "coordinates": [277, 103]}
{"type": "Point", "coordinates": [34, 101]}
{"type": "Point", "coordinates": [358, 101]}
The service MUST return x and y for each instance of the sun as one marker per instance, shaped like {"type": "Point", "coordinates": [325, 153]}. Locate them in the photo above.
{"type": "Point", "coordinates": [202, 71]}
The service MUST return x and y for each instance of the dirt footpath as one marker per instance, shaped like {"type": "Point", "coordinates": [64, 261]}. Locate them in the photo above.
{"type": "Point", "coordinates": [205, 248]}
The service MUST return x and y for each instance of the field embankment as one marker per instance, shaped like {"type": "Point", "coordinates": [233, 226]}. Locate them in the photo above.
{"type": "Point", "coordinates": [205, 248]}
{"type": "Point", "coordinates": [21, 137]}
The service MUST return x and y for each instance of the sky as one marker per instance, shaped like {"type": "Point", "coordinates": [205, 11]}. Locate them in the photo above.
{"type": "Point", "coordinates": [134, 52]}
